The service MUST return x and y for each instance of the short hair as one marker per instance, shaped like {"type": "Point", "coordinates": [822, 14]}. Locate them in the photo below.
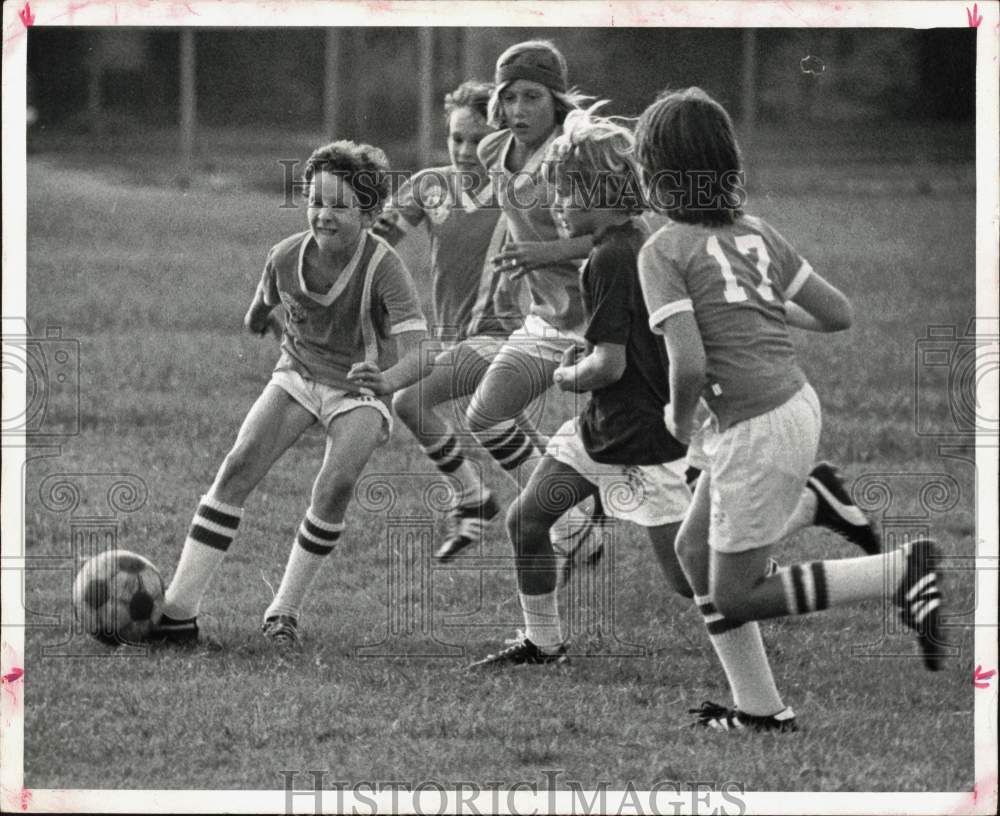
{"type": "Point", "coordinates": [470, 94]}
{"type": "Point", "coordinates": [685, 138]}
{"type": "Point", "coordinates": [595, 150]}
{"type": "Point", "coordinates": [364, 167]}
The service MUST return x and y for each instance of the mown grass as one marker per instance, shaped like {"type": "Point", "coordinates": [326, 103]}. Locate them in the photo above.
{"type": "Point", "coordinates": [153, 283]}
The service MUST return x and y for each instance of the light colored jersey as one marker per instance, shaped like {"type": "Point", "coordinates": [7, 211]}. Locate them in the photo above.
{"type": "Point", "coordinates": [736, 279]}
{"type": "Point", "coordinates": [372, 300]}
{"type": "Point", "coordinates": [470, 296]}
{"type": "Point", "coordinates": [527, 200]}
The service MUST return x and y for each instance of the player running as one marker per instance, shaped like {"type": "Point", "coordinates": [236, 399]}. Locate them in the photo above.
{"type": "Point", "coordinates": [530, 100]}
{"type": "Point", "coordinates": [351, 336]}
{"type": "Point", "coordinates": [722, 287]}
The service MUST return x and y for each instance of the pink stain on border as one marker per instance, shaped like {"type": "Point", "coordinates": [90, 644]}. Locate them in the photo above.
{"type": "Point", "coordinates": [25, 798]}
{"type": "Point", "coordinates": [973, 16]}
{"type": "Point", "coordinates": [981, 679]}
{"type": "Point", "coordinates": [26, 15]}
{"type": "Point", "coordinates": [14, 674]}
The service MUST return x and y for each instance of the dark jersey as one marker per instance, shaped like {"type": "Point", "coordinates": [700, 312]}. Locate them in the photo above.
{"type": "Point", "coordinates": [623, 422]}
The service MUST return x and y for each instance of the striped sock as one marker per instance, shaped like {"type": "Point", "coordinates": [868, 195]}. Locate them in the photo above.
{"type": "Point", "coordinates": [818, 585]}
{"type": "Point", "coordinates": [449, 457]}
{"type": "Point", "coordinates": [212, 530]}
{"type": "Point", "coordinates": [315, 540]}
{"type": "Point", "coordinates": [541, 620]}
{"type": "Point", "coordinates": [741, 651]}
{"type": "Point", "coordinates": [510, 446]}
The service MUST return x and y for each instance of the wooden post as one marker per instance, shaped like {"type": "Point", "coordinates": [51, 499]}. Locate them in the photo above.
{"type": "Point", "coordinates": [748, 114]}
{"type": "Point", "coordinates": [188, 103]}
{"type": "Point", "coordinates": [332, 97]}
{"type": "Point", "coordinates": [425, 78]}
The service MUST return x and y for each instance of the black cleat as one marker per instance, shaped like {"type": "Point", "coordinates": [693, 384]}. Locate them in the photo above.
{"type": "Point", "coordinates": [470, 523]}
{"type": "Point", "coordinates": [721, 718]}
{"type": "Point", "coordinates": [282, 630]}
{"type": "Point", "coordinates": [920, 599]}
{"type": "Point", "coordinates": [167, 630]}
{"type": "Point", "coordinates": [520, 651]}
{"type": "Point", "coordinates": [836, 511]}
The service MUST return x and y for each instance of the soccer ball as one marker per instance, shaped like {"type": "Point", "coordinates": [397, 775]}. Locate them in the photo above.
{"type": "Point", "coordinates": [118, 596]}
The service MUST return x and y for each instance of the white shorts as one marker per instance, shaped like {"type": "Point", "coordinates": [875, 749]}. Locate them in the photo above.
{"type": "Point", "coordinates": [758, 469]}
{"type": "Point", "coordinates": [326, 402]}
{"type": "Point", "coordinates": [648, 495]}
{"type": "Point", "coordinates": [542, 341]}
{"type": "Point", "coordinates": [484, 345]}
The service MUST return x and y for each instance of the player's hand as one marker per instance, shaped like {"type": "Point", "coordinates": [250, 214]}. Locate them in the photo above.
{"type": "Point", "coordinates": [520, 257]}
{"type": "Point", "coordinates": [274, 327]}
{"type": "Point", "coordinates": [369, 378]}
{"type": "Point", "coordinates": [565, 376]}
{"type": "Point", "coordinates": [679, 428]}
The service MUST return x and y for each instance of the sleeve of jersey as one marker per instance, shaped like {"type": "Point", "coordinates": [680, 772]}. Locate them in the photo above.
{"type": "Point", "coordinates": [663, 287]}
{"type": "Point", "coordinates": [789, 269]}
{"type": "Point", "coordinates": [400, 215]}
{"type": "Point", "coordinates": [610, 278]}
{"type": "Point", "coordinates": [268, 285]}
{"type": "Point", "coordinates": [395, 288]}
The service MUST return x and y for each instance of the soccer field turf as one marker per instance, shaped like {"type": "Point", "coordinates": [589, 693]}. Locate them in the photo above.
{"type": "Point", "coordinates": [153, 283]}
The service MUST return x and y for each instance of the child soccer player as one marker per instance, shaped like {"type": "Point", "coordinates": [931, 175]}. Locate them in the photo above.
{"type": "Point", "coordinates": [530, 101]}
{"type": "Point", "coordinates": [475, 304]}
{"type": "Point", "coordinates": [619, 447]}
{"type": "Point", "coordinates": [351, 337]}
{"type": "Point", "coordinates": [722, 287]}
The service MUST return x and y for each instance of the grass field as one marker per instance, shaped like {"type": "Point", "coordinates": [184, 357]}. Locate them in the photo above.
{"type": "Point", "coordinates": [153, 283]}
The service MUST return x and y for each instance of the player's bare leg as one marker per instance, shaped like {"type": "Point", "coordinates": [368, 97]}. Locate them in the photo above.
{"type": "Point", "coordinates": [272, 425]}
{"type": "Point", "coordinates": [663, 540]}
{"type": "Point", "coordinates": [738, 645]}
{"type": "Point", "coordinates": [552, 488]}
{"type": "Point", "coordinates": [351, 439]}
{"type": "Point", "coordinates": [513, 381]}
{"type": "Point", "coordinates": [742, 593]}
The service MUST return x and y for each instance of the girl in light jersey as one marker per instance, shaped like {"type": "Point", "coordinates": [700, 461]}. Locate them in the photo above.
{"type": "Point", "coordinates": [529, 103]}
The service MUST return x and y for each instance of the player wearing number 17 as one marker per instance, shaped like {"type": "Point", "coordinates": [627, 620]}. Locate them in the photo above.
{"type": "Point", "coordinates": [723, 287]}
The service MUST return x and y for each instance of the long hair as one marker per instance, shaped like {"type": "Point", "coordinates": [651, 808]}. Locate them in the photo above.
{"type": "Point", "coordinates": [598, 153]}
{"type": "Point", "coordinates": [565, 101]}
{"type": "Point", "coordinates": [691, 160]}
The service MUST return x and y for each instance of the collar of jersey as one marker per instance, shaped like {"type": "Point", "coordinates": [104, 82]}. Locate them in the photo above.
{"type": "Point", "coordinates": [342, 280]}
{"type": "Point", "coordinates": [535, 159]}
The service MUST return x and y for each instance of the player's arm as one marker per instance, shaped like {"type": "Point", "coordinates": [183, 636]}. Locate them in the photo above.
{"type": "Point", "coordinates": [602, 367]}
{"type": "Point", "coordinates": [523, 256]}
{"type": "Point", "coordinates": [258, 318]}
{"type": "Point", "coordinates": [686, 353]}
{"type": "Point", "coordinates": [400, 215]}
{"type": "Point", "coordinates": [819, 306]}
{"type": "Point", "coordinates": [411, 365]}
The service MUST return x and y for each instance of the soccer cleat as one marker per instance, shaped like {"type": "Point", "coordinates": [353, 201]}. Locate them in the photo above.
{"type": "Point", "coordinates": [282, 630]}
{"type": "Point", "coordinates": [920, 599]}
{"type": "Point", "coordinates": [470, 523]}
{"type": "Point", "coordinates": [721, 718]}
{"type": "Point", "coordinates": [168, 630]}
{"type": "Point", "coordinates": [836, 511]}
{"type": "Point", "coordinates": [520, 651]}
{"type": "Point", "coordinates": [577, 537]}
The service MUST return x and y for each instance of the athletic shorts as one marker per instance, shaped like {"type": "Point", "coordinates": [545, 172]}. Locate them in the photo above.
{"type": "Point", "coordinates": [758, 469]}
{"type": "Point", "coordinates": [485, 345]}
{"type": "Point", "coordinates": [326, 402]}
{"type": "Point", "coordinates": [648, 495]}
{"type": "Point", "coordinates": [541, 341]}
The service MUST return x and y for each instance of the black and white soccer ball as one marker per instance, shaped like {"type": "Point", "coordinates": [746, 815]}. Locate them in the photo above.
{"type": "Point", "coordinates": [118, 597]}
